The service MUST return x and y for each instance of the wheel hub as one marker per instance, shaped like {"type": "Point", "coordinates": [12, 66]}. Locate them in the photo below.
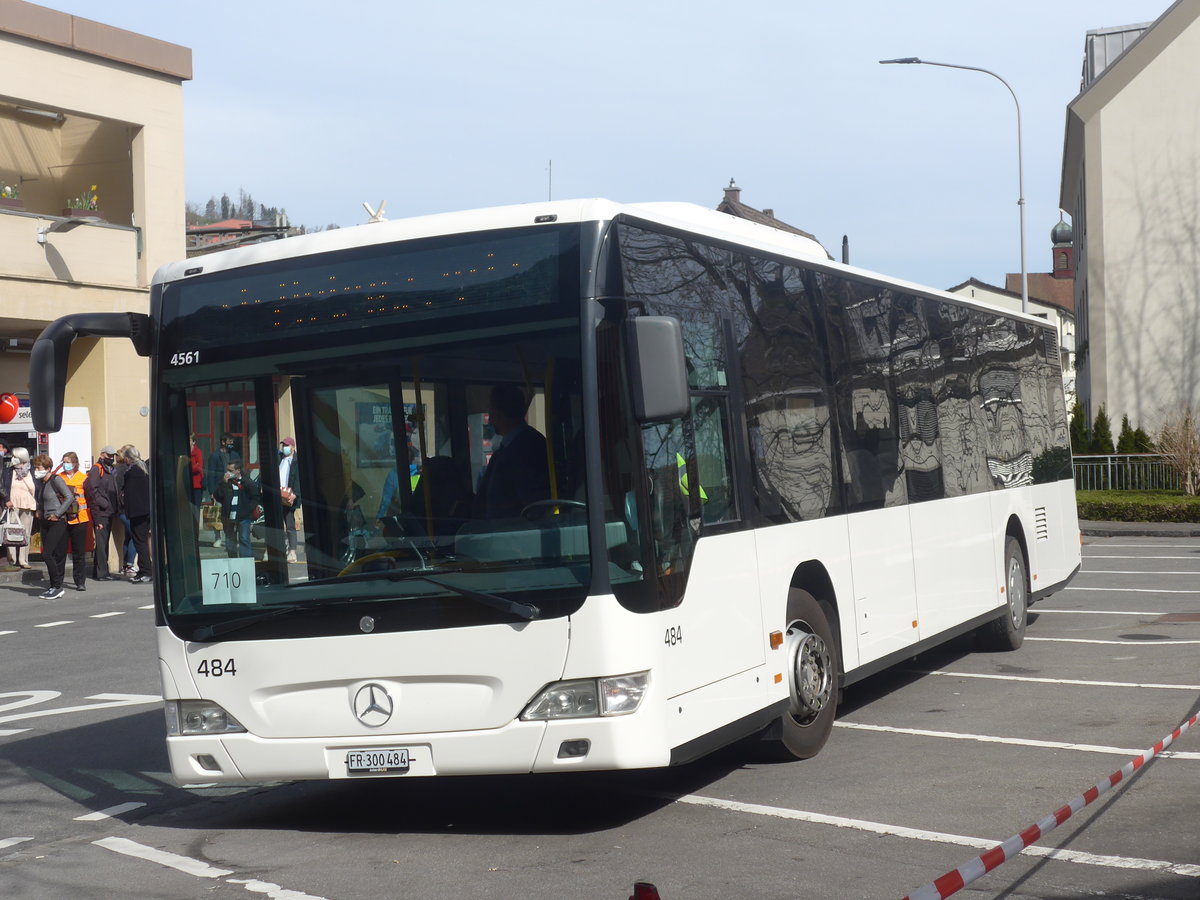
{"type": "Point", "coordinates": [810, 668]}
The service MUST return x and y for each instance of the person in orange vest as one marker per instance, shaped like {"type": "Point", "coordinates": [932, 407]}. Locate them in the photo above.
{"type": "Point", "coordinates": [77, 525]}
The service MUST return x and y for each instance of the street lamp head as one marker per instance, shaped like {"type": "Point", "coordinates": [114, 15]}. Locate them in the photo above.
{"type": "Point", "coordinates": [902, 61]}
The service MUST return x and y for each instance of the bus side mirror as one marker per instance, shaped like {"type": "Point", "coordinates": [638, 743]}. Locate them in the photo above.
{"type": "Point", "coordinates": [658, 370]}
{"type": "Point", "coordinates": [52, 351]}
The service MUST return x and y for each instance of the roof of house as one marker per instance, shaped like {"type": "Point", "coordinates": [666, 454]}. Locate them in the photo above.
{"type": "Point", "coordinates": [49, 26]}
{"type": "Point", "coordinates": [1043, 288]}
{"type": "Point", "coordinates": [733, 205]}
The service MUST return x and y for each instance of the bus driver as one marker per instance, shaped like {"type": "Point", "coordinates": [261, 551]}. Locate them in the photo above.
{"type": "Point", "coordinates": [517, 473]}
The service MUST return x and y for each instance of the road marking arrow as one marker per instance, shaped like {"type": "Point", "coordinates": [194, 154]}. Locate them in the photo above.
{"type": "Point", "coordinates": [107, 701]}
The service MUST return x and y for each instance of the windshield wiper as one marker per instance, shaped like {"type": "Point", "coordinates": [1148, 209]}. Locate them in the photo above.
{"type": "Point", "coordinates": [525, 611]}
{"type": "Point", "coordinates": [208, 632]}
{"type": "Point", "coordinates": [515, 607]}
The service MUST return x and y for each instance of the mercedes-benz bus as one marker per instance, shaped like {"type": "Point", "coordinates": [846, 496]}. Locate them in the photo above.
{"type": "Point", "coordinates": [760, 476]}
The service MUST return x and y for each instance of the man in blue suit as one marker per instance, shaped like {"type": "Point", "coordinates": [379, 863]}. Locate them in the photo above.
{"type": "Point", "coordinates": [518, 473]}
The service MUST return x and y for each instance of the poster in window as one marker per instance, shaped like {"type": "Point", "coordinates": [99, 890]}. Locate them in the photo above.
{"type": "Point", "coordinates": [376, 437]}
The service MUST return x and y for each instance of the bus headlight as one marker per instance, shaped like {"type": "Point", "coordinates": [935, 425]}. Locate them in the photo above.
{"type": "Point", "coordinates": [618, 695]}
{"type": "Point", "coordinates": [199, 717]}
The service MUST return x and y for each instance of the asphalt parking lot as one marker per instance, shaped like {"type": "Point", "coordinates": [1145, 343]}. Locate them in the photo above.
{"type": "Point", "coordinates": [930, 764]}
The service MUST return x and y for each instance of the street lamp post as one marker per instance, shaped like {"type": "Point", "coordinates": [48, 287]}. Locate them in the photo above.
{"type": "Point", "coordinates": [913, 60]}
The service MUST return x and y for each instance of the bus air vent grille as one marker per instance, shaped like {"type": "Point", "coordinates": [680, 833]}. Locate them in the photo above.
{"type": "Point", "coordinates": [1040, 525]}
{"type": "Point", "coordinates": [1050, 340]}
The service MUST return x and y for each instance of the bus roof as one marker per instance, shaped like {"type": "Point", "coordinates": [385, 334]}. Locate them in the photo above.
{"type": "Point", "coordinates": [683, 216]}
{"type": "Point", "coordinates": [687, 217]}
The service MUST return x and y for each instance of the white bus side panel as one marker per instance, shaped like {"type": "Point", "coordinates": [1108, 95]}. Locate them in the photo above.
{"type": "Point", "coordinates": [706, 655]}
{"type": "Point", "coordinates": [955, 556]}
{"type": "Point", "coordinates": [1052, 533]}
{"type": "Point", "coordinates": [719, 623]}
{"type": "Point", "coordinates": [782, 549]}
{"type": "Point", "coordinates": [885, 598]}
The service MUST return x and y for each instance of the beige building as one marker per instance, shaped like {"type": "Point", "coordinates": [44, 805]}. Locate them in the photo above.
{"type": "Point", "coordinates": [1131, 182]}
{"type": "Point", "coordinates": [91, 145]}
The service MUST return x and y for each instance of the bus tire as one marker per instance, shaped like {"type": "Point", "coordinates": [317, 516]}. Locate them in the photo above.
{"type": "Point", "coordinates": [812, 672]}
{"type": "Point", "coordinates": [1008, 631]}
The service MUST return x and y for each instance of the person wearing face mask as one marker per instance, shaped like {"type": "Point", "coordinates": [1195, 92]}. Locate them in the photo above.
{"type": "Point", "coordinates": [239, 498]}
{"type": "Point", "coordinates": [289, 484]}
{"type": "Point", "coordinates": [54, 497]}
{"type": "Point", "coordinates": [79, 525]}
{"type": "Point", "coordinates": [100, 488]}
{"type": "Point", "coordinates": [22, 499]}
{"type": "Point", "coordinates": [217, 466]}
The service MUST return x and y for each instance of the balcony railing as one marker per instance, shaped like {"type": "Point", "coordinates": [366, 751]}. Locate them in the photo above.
{"type": "Point", "coordinates": [1126, 472]}
{"type": "Point", "coordinates": [95, 253]}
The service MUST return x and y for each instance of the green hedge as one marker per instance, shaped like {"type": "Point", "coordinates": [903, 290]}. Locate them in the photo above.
{"type": "Point", "coordinates": [1137, 506]}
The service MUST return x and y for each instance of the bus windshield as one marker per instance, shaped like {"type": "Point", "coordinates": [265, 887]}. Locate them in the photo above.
{"type": "Point", "coordinates": [390, 483]}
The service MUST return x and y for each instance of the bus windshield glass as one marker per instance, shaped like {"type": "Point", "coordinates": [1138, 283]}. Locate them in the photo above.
{"type": "Point", "coordinates": [398, 477]}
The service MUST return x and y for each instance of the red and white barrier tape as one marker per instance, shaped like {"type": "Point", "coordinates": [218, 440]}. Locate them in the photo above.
{"type": "Point", "coordinates": [953, 882]}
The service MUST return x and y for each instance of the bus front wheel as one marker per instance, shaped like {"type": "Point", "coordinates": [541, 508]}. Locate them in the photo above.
{"type": "Point", "coordinates": [812, 671]}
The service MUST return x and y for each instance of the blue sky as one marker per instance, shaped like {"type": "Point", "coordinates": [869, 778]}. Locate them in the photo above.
{"type": "Point", "coordinates": [317, 107]}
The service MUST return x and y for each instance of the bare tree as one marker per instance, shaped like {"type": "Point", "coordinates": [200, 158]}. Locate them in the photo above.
{"type": "Point", "coordinates": [1179, 442]}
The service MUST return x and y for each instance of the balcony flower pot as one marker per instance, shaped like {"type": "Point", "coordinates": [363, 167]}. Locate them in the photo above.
{"type": "Point", "coordinates": [72, 213]}
{"type": "Point", "coordinates": [12, 203]}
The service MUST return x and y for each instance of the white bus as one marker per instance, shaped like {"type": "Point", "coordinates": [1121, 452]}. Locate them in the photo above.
{"type": "Point", "coordinates": [760, 477]}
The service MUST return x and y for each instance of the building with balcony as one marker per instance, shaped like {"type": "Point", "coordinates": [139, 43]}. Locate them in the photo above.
{"type": "Point", "coordinates": [91, 197]}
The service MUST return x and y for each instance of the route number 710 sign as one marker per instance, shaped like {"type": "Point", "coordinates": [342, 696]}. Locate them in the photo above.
{"type": "Point", "coordinates": [227, 581]}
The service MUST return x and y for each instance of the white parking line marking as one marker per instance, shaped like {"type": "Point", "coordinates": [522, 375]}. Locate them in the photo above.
{"type": "Point", "coordinates": [109, 701]}
{"type": "Point", "coordinates": [1147, 643]}
{"type": "Point", "coordinates": [1124, 684]}
{"type": "Point", "coordinates": [151, 606]}
{"type": "Point", "coordinates": [12, 842]}
{"type": "Point", "coordinates": [199, 869]}
{"type": "Point", "coordinates": [107, 614]}
{"type": "Point", "coordinates": [1095, 556]}
{"type": "Point", "coordinates": [109, 813]}
{"type": "Point", "coordinates": [54, 624]}
{"type": "Point", "coordinates": [1133, 590]}
{"type": "Point", "coordinates": [1150, 546]}
{"type": "Point", "coordinates": [1019, 742]}
{"type": "Point", "coordinates": [274, 891]}
{"type": "Point", "coordinates": [162, 857]}
{"type": "Point", "coordinates": [1101, 612]}
{"type": "Point", "coordinates": [1073, 856]}
{"type": "Point", "coordinates": [1132, 572]}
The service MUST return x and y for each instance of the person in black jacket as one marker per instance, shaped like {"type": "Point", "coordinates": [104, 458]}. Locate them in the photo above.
{"type": "Point", "coordinates": [6, 461]}
{"type": "Point", "coordinates": [54, 497]}
{"type": "Point", "coordinates": [240, 500]}
{"type": "Point", "coordinates": [518, 473]}
{"type": "Point", "coordinates": [101, 490]}
{"type": "Point", "coordinates": [134, 481]}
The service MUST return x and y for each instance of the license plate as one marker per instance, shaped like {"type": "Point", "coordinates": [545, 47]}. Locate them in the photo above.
{"type": "Point", "coordinates": [375, 762]}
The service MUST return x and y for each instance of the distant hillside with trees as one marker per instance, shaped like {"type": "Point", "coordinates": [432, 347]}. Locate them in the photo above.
{"type": "Point", "coordinates": [244, 207]}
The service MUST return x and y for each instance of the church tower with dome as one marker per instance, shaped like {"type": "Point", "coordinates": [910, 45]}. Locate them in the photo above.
{"type": "Point", "coordinates": [1062, 251]}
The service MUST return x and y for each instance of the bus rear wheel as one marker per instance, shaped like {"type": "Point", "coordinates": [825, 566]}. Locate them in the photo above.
{"type": "Point", "coordinates": [1008, 631]}
{"type": "Point", "coordinates": [812, 671]}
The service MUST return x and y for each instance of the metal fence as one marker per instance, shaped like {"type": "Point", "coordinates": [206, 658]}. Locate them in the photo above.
{"type": "Point", "coordinates": [1126, 472]}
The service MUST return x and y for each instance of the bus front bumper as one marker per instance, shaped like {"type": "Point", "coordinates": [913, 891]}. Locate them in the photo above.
{"type": "Point", "coordinates": [594, 744]}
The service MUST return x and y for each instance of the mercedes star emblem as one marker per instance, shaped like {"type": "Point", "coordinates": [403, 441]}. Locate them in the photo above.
{"type": "Point", "coordinates": [373, 705]}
